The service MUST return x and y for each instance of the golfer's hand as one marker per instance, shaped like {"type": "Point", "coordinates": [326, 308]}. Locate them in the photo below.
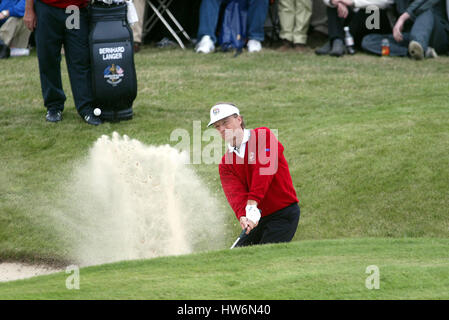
{"type": "Point", "coordinates": [30, 19]}
{"type": "Point", "coordinates": [247, 224]}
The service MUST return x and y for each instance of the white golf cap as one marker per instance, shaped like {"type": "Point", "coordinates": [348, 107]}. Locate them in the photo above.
{"type": "Point", "coordinates": [221, 111]}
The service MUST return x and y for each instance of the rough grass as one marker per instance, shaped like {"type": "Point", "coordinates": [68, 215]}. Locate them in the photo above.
{"type": "Point", "coordinates": [310, 269]}
{"type": "Point", "coordinates": [366, 139]}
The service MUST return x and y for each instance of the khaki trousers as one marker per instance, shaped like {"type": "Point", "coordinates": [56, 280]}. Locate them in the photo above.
{"type": "Point", "coordinates": [14, 33]}
{"type": "Point", "coordinates": [294, 17]}
{"type": "Point", "coordinates": [138, 26]}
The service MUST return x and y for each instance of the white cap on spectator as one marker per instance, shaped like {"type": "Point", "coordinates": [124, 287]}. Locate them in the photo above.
{"type": "Point", "coordinates": [221, 111]}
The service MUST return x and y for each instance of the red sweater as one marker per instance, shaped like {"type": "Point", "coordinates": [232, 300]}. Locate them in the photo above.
{"type": "Point", "coordinates": [65, 3]}
{"type": "Point", "coordinates": [262, 175]}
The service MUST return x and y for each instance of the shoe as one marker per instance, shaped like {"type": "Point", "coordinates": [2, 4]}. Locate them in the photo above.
{"type": "Point", "coordinates": [206, 45]}
{"type": "Point", "coordinates": [254, 46]}
{"type": "Point", "coordinates": [4, 51]}
{"type": "Point", "coordinates": [136, 47]}
{"type": "Point", "coordinates": [326, 49]}
{"type": "Point", "coordinates": [338, 48]}
{"type": "Point", "coordinates": [431, 53]}
{"type": "Point", "coordinates": [299, 47]}
{"type": "Point", "coordinates": [19, 52]}
{"type": "Point", "coordinates": [415, 50]}
{"type": "Point", "coordinates": [286, 46]}
{"type": "Point", "coordinates": [53, 115]}
{"type": "Point", "coordinates": [92, 119]}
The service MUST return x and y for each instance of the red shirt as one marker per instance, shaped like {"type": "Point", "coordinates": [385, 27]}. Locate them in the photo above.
{"type": "Point", "coordinates": [65, 3]}
{"type": "Point", "coordinates": [262, 175]}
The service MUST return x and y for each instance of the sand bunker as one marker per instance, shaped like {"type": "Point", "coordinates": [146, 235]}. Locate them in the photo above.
{"type": "Point", "coordinates": [16, 271]}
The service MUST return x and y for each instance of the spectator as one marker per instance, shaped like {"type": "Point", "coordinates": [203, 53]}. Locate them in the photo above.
{"type": "Point", "coordinates": [294, 17]}
{"type": "Point", "coordinates": [209, 11]}
{"type": "Point", "coordinates": [14, 35]}
{"type": "Point", "coordinates": [422, 30]}
{"type": "Point", "coordinates": [318, 20]}
{"type": "Point", "coordinates": [348, 12]}
{"type": "Point", "coordinates": [48, 17]}
{"type": "Point", "coordinates": [138, 26]}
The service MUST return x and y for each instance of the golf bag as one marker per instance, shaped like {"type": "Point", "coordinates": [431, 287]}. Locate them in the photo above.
{"type": "Point", "coordinates": [114, 78]}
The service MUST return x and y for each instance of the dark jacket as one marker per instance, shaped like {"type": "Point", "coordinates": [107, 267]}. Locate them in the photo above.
{"type": "Point", "coordinates": [415, 7]}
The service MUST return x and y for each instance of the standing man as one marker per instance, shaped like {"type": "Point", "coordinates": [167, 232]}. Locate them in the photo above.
{"type": "Point", "coordinates": [255, 179]}
{"type": "Point", "coordinates": [209, 15]}
{"type": "Point", "coordinates": [137, 27]}
{"type": "Point", "coordinates": [294, 17]}
{"type": "Point", "coordinates": [56, 27]}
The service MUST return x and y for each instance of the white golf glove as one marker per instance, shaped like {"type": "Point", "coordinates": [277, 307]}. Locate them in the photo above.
{"type": "Point", "coordinates": [252, 213]}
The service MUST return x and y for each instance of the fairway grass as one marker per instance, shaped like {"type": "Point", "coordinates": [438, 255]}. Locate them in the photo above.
{"type": "Point", "coordinates": [316, 269]}
{"type": "Point", "coordinates": [366, 139]}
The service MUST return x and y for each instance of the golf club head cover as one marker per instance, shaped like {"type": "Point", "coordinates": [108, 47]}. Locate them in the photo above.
{"type": "Point", "coordinates": [252, 213]}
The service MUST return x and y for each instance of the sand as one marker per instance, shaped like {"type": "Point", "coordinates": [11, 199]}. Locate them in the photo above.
{"type": "Point", "coordinates": [15, 271]}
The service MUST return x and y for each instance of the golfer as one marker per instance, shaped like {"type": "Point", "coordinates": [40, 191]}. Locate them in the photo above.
{"type": "Point", "coordinates": [255, 179]}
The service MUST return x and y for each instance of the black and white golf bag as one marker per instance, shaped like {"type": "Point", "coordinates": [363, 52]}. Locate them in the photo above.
{"type": "Point", "coordinates": [114, 78]}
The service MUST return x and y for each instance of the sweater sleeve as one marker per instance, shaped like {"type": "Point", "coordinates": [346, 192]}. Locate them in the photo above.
{"type": "Point", "coordinates": [381, 4]}
{"type": "Point", "coordinates": [234, 190]}
{"type": "Point", "coordinates": [265, 167]}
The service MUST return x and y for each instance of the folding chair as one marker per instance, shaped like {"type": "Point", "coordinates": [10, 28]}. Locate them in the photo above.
{"type": "Point", "coordinates": [162, 7]}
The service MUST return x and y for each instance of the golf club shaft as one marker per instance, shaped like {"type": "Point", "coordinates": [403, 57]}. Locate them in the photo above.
{"type": "Point", "coordinates": [242, 234]}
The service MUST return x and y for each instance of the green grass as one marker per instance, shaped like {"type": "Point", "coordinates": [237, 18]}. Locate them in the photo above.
{"type": "Point", "coordinates": [366, 139]}
{"type": "Point", "coordinates": [311, 269]}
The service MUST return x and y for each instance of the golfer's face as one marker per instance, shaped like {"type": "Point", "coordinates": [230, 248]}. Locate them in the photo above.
{"type": "Point", "coordinates": [228, 127]}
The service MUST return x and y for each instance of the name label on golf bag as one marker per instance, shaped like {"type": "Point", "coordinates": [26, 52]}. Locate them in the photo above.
{"type": "Point", "coordinates": [112, 60]}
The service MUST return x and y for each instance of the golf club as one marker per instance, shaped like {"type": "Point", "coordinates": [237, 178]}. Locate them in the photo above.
{"type": "Point", "coordinates": [241, 236]}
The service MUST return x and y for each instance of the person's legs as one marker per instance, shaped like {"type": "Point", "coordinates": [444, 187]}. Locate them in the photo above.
{"type": "Point", "coordinates": [303, 12]}
{"type": "Point", "coordinates": [252, 238]}
{"type": "Point", "coordinates": [137, 27]}
{"type": "Point", "coordinates": [286, 19]}
{"type": "Point", "coordinates": [281, 227]}
{"type": "Point", "coordinates": [422, 29]}
{"type": "Point", "coordinates": [14, 33]}
{"type": "Point", "coordinates": [257, 13]}
{"type": "Point", "coordinates": [335, 24]}
{"type": "Point", "coordinates": [439, 39]}
{"type": "Point", "coordinates": [76, 45]}
{"type": "Point", "coordinates": [49, 37]}
{"type": "Point", "coordinates": [22, 36]}
{"type": "Point", "coordinates": [372, 43]}
{"type": "Point", "coordinates": [209, 11]}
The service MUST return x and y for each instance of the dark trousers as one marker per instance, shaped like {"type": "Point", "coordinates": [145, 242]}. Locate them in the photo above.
{"type": "Point", "coordinates": [357, 24]}
{"type": "Point", "coordinates": [279, 226]}
{"type": "Point", "coordinates": [51, 33]}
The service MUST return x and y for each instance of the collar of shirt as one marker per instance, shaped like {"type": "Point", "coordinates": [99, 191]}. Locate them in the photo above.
{"type": "Point", "coordinates": [240, 151]}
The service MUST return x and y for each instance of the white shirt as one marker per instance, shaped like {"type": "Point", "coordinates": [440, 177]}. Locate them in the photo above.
{"type": "Point", "coordinates": [381, 4]}
{"type": "Point", "coordinates": [240, 151]}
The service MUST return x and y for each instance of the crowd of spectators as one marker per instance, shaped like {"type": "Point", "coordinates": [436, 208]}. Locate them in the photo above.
{"type": "Point", "coordinates": [415, 28]}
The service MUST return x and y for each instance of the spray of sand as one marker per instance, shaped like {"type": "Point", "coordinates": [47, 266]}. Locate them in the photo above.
{"type": "Point", "coordinates": [132, 201]}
